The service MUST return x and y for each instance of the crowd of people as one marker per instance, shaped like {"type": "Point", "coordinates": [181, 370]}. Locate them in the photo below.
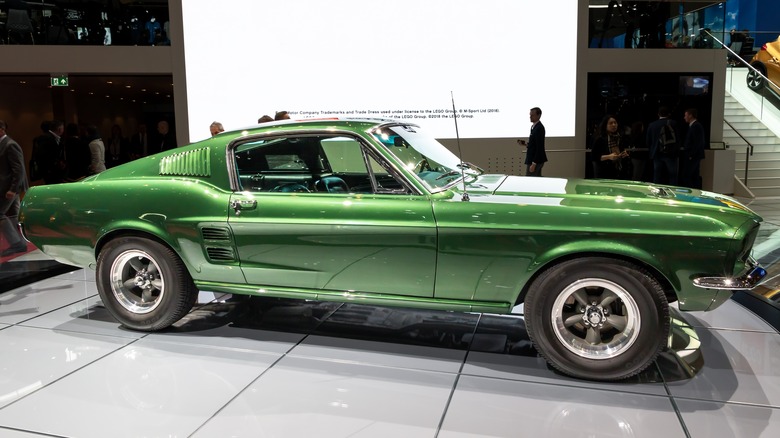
{"type": "Point", "coordinates": [674, 149]}
{"type": "Point", "coordinates": [70, 152]}
{"type": "Point", "coordinates": [217, 127]}
{"type": "Point", "coordinates": [674, 152]}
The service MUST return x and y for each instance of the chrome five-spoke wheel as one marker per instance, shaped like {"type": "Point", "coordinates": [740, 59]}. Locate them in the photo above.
{"type": "Point", "coordinates": [595, 318]}
{"type": "Point", "coordinates": [136, 281]}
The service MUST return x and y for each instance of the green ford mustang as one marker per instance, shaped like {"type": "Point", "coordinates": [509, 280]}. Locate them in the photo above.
{"type": "Point", "coordinates": [379, 213]}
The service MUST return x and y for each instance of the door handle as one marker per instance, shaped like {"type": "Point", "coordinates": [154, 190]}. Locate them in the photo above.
{"type": "Point", "coordinates": [243, 204]}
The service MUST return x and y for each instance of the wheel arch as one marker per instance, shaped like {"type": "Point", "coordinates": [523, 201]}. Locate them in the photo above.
{"type": "Point", "coordinates": [759, 65]}
{"type": "Point", "coordinates": [652, 270]}
{"type": "Point", "coordinates": [134, 232]}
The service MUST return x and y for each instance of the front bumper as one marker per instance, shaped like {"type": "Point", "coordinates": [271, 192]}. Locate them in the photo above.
{"type": "Point", "coordinates": [750, 279]}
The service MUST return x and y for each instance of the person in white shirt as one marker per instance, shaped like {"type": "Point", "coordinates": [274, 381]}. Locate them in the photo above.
{"type": "Point", "coordinates": [97, 150]}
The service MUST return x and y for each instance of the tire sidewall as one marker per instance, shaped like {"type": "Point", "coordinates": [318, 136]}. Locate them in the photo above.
{"type": "Point", "coordinates": [760, 80]}
{"type": "Point", "coordinates": [653, 311]}
{"type": "Point", "coordinates": [167, 264]}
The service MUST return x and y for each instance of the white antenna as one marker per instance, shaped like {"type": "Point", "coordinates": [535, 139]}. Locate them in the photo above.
{"type": "Point", "coordinates": [460, 154]}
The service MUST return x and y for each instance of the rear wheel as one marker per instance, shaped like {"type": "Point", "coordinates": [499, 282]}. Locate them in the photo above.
{"type": "Point", "coordinates": [754, 80]}
{"type": "Point", "coordinates": [597, 318]}
{"type": "Point", "coordinates": [144, 284]}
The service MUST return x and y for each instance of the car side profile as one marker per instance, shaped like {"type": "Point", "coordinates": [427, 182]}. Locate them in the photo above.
{"type": "Point", "coordinates": [377, 212]}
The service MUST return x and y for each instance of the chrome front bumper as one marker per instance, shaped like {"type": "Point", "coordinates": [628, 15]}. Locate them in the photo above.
{"type": "Point", "coordinates": [747, 281]}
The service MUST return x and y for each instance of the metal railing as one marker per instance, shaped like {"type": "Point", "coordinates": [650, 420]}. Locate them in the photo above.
{"type": "Point", "coordinates": [748, 150]}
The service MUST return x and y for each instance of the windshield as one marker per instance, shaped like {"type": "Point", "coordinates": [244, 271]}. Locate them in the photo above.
{"type": "Point", "coordinates": [422, 155]}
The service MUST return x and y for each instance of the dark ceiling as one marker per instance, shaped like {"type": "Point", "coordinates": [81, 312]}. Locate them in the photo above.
{"type": "Point", "coordinates": [151, 90]}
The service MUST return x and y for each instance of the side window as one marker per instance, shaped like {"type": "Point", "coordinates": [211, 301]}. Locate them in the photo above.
{"type": "Point", "coordinates": [321, 164]}
{"type": "Point", "coordinates": [384, 180]}
{"type": "Point", "coordinates": [289, 164]}
{"type": "Point", "coordinates": [355, 170]}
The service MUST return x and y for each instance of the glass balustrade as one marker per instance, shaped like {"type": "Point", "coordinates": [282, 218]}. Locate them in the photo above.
{"type": "Point", "coordinates": [68, 22]}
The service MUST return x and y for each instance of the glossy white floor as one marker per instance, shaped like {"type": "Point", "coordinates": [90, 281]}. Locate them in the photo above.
{"type": "Point", "coordinates": [298, 369]}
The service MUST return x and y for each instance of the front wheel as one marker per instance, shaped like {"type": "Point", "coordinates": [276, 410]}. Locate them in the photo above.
{"type": "Point", "coordinates": [144, 284]}
{"type": "Point", "coordinates": [597, 318]}
{"type": "Point", "coordinates": [755, 81]}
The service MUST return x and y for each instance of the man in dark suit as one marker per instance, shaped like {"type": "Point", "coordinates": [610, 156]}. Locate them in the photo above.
{"type": "Point", "coordinates": [693, 150]}
{"type": "Point", "coordinates": [165, 139]}
{"type": "Point", "coordinates": [139, 143]}
{"type": "Point", "coordinates": [49, 153]}
{"type": "Point", "coordinates": [535, 156]}
{"type": "Point", "coordinates": [665, 167]}
{"type": "Point", "coordinates": [13, 182]}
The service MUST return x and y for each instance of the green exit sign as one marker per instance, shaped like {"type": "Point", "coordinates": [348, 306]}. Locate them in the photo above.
{"type": "Point", "coordinates": [59, 81]}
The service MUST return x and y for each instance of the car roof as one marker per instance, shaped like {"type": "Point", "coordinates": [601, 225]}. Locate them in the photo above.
{"type": "Point", "coordinates": [365, 123]}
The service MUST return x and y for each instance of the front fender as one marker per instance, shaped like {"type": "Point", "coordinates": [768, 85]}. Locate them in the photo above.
{"type": "Point", "coordinates": [607, 247]}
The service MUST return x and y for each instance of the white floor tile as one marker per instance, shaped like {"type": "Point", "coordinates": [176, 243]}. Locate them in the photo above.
{"type": "Point", "coordinates": [85, 316]}
{"type": "Point", "coordinates": [232, 337]}
{"type": "Point", "coordinates": [484, 407]}
{"type": "Point", "coordinates": [78, 275]}
{"type": "Point", "coordinates": [145, 389]}
{"type": "Point", "coordinates": [729, 316]}
{"type": "Point", "coordinates": [301, 397]}
{"type": "Point", "coordinates": [739, 366]}
{"type": "Point", "coordinates": [535, 369]}
{"type": "Point", "coordinates": [34, 358]}
{"type": "Point", "coordinates": [708, 419]}
{"type": "Point", "coordinates": [10, 433]}
{"type": "Point", "coordinates": [380, 353]}
{"type": "Point", "coordinates": [33, 300]}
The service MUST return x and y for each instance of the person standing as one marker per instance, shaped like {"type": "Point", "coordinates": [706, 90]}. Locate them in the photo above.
{"type": "Point", "coordinates": [165, 139]}
{"type": "Point", "coordinates": [97, 150]}
{"type": "Point", "coordinates": [50, 154]}
{"type": "Point", "coordinates": [664, 157]}
{"type": "Point", "coordinates": [693, 150]}
{"type": "Point", "coordinates": [116, 148]}
{"type": "Point", "coordinates": [13, 182]}
{"type": "Point", "coordinates": [76, 151]}
{"type": "Point", "coordinates": [535, 156]}
{"type": "Point", "coordinates": [608, 153]}
{"type": "Point", "coordinates": [139, 143]}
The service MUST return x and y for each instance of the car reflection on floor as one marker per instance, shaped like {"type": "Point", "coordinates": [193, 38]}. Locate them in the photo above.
{"type": "Point", "coordinates": [465, 332]}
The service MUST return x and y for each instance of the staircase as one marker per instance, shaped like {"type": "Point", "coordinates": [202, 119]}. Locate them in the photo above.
{"type": "Point", "coordinates": [764, 166]}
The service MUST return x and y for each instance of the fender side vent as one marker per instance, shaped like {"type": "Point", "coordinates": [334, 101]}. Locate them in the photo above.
{"type": "Point", "coordinates": [221, 254]}
{"type": "Point", "coordinates": [190, 163]}
{"type": "Point", "coordinates": [212, 233]}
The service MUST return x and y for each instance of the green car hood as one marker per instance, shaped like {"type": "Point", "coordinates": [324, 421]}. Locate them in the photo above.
{"type": "Point", "coordinates": [611, 194]}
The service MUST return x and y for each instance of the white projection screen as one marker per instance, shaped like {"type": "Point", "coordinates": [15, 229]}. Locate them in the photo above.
{"type": "Point", "coordinates": [403, 59]}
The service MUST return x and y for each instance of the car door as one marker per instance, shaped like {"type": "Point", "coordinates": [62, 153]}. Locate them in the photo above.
{"type": "Point", "coordinates": [339, 222]}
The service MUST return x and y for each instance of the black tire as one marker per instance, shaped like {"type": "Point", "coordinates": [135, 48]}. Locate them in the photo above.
{"type": "Point", "coordinates": [144, 284]}
{"type": "Point", "coordinates": [755, 81]}
{"type": "Point", "coordinates": [627, 322]}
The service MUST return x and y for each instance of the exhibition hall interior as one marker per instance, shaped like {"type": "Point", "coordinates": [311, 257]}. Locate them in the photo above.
{"type": "Point", "coordinates": [158, 75]}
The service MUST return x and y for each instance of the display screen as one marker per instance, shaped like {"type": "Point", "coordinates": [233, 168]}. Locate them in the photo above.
{"type": "Point", "coordinates": [404, 60]}
{"type": "Point", "coordinates": [694, 85]}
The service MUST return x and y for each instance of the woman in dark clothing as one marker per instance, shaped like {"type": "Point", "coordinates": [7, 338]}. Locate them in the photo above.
{"type": "Point", "coordinates": [608, 153]}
